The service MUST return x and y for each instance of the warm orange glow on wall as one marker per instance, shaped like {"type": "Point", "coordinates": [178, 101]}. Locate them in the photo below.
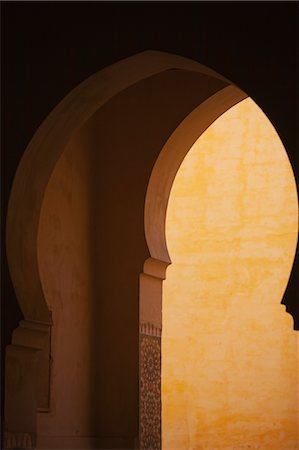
{"type": "Point", "coordinates": [229, 352]}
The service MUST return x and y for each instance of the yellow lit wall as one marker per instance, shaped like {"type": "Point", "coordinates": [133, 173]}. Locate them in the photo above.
{"type": "Point", "coordinates": [229, 352]}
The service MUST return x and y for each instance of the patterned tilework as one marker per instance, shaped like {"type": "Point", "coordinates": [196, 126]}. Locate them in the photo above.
{"type": "Point", "coordinates": [150, 392]}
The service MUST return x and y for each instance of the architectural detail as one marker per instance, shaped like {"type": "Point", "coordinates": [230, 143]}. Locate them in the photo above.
{"type": "Point", "coordinates": [150, 330]}
{"type": "Point", "coordinates": [19, 440]}
{"type": "Point", "coordinates": [167, 165]}
{"type": "Point", "coordinates": [150, 390]}
{"type": "Point", "coordinates": [151, 280]}
{"type": "Point", "coordinates": [27, 368]}
{"type": "Point", "coordinates": [48, 143]}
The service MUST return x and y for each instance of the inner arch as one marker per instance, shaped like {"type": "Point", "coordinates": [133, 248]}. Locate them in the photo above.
{"type": "Point", "coordinates": [229, 352]}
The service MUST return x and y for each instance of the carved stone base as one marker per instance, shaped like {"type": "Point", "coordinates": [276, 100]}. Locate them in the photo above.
{"type": "Point", "coordinates": [150, 389]}
{"type": "Point", "coordinates": [17, 440]}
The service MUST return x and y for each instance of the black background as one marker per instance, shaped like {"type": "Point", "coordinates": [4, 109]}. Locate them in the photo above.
{"type": "Point", "coordinates": [49, 48]}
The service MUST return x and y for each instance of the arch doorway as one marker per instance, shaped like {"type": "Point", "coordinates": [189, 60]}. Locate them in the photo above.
{"type": "Point", "coordinates": [229, 351]}
{"type": "Point", "coordinates": [91, 192]}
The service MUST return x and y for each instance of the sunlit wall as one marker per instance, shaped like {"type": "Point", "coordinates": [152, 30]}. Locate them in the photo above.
{"type": "Point", "coordinates": [229, 352]}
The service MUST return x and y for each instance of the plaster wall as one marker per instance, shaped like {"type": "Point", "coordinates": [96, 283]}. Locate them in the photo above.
{"type": "Point", "coordinates": [67, 272]}
{"type": "Point", "coordinates": [229, 352]}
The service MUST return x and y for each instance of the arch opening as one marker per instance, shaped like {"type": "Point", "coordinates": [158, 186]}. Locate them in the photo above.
{"type": "Point", "coordinates": [229, 352]}
{"type": "Point", "coordinates": [90, 111]}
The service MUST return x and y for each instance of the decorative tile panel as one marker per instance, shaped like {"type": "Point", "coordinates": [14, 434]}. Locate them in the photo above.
{"type": "Point", "coordinates": [150, 387]}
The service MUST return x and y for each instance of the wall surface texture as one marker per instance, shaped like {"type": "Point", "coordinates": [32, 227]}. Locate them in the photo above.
{"type": "Point", "coordinates": [67, 272]}
{"type": "Point", "coordinates": [229, 352]}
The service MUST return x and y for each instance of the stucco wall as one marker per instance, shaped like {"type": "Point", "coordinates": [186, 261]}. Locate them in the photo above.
{"type": "Point", "coordinates": [229, 352]}
{"type": "Point", "coordinates": [67, 272]}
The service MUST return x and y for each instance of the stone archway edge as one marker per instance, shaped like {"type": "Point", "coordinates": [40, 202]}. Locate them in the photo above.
{"type": "Point", "coordinates": [167, 165]}
{"type": "Point", "coordinates": [154, 269]}
{"type": "Point", "coordinates": [42, 154]}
